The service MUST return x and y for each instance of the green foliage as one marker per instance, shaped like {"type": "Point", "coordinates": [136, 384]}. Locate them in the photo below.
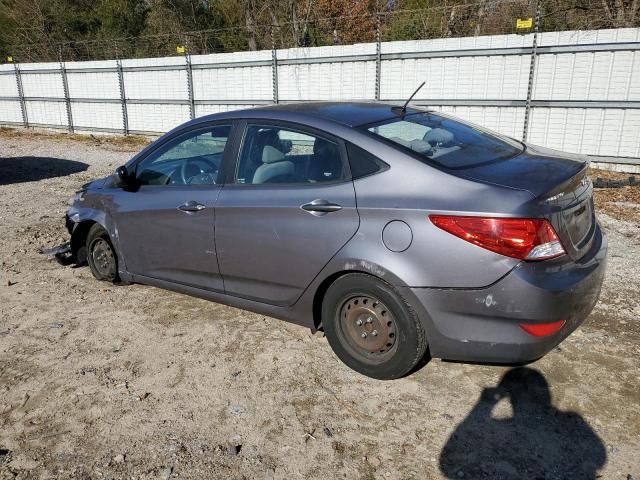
{"type": "Point", "coordinates": [93, 29]}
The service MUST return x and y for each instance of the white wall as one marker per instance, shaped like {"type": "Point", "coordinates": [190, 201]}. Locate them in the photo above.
{"type": "Point", "coordinates": [576, 76]}
{"type": "Point", "coordinates": [327, 81]}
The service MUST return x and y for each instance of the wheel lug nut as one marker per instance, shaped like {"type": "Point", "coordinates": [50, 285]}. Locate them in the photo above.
{"type": "Point", "coordinates": [374, 333]}
{"type": "Point", "coordinates": [364, 335]}
{"type": "Point", "coordinates": [359, 322]}
{"type": "Point", "coordinates": [369, 319]}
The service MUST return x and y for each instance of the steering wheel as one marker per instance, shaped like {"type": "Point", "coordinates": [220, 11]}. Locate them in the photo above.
{"type": "Point", "coordinates": [194, 168]}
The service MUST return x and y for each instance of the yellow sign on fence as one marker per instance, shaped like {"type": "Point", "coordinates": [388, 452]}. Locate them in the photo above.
{"type": "Point", "coordinates": [180, 49]}
{"type": "Point", "coordinates": [10, 59]}
{"type": "Point", "coordinates": [524, 23]}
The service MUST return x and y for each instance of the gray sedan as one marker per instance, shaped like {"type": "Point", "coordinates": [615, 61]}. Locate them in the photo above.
{"type": "Point", "coordinates": [402, 233]}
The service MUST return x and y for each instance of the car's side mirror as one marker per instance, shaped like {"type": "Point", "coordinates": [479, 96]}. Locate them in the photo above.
{"type": "Point", "coordinates": [121, 177]}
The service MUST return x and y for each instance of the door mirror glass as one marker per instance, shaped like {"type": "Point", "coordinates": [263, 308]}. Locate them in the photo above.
{"type": "Point", "coordinates": [121, 178]}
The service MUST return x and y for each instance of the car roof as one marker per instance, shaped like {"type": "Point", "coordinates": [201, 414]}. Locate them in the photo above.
{"type": "Point", "coordinates": [350, 114]}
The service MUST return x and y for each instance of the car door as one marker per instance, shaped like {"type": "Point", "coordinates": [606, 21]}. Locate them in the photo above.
{"type": "Point", "coordinates": [287, 210]}
{"type": "Point", "coordinates": [166, 223]}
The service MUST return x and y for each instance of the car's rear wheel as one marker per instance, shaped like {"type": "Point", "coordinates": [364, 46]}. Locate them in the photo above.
{"type": "Point", "coordinates": [101, 255]}
{"type": "Point", "coordinates": [371, 328]}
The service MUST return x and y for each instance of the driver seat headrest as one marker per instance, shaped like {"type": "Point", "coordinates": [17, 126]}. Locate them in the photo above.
{"type": "Point", "coordinates": [271, 155]}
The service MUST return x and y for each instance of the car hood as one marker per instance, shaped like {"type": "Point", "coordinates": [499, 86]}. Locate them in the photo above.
{"type": "Point", "coordinates": [537, 170]}
{"type": "Point", "coordinates": [94, 184]}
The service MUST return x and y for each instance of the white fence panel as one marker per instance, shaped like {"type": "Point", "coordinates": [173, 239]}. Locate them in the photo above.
{"type": "Point", "coordinates": [87, 116]}
{"type": "Point", "coordinates": [40, 112]}
{"type": "Point", "coordinates": [242, 83]}
{"type": "Point", "coordinates": [354, 80]}
{"type": "Point", "coordinates": [498, 77]}
{"type": "Point", "coordinates": [156, 117]}
{"type": "Point", "coordinates": [588, 76]}
{"type": "Point", "coordinates": [8, 85]}
{"type": "Point", "coordinates": [595, 131]}
{"type": "Point", "coordinates": [585, 92]}
{"type": "Point", "coordinates": [10, 111]}
{"type": "Point", "coordinates": [94, 85]}
{"type": "Point", "coordinates": [586, 37]}
{"type": "Point", "coordinates": [477, 77]}
{"type": "Point", "coordinates": [327, 81]}
{"type": "Point", "coordinates": [42, 85]}
{"type": "Point", "coordinates": [232, 83]}
{"type": "Point", "coordinates": [157, 85]}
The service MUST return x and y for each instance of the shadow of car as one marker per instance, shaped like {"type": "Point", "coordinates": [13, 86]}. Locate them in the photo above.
{"type": "Point", "coordinates": [32, 169]}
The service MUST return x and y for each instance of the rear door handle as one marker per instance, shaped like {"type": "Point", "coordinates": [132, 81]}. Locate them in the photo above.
{"type": "Point", "coordinates": [321, 206]}
{"type": "Point", "coordinates": [191, 206]}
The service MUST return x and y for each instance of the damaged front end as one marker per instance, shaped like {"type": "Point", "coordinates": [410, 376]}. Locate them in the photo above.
{"type": "Point", "coordinates": [74, 251]}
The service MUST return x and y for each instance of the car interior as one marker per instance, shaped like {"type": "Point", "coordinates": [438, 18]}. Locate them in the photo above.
{"type": "Point", "coordinates": [269, 157]}
{"type": "Point", "coordinates": [445, 142]}
{"type": "Point", "coordinates": [192, 161]}
{"type": "Point", "coordinates": [435, 143]}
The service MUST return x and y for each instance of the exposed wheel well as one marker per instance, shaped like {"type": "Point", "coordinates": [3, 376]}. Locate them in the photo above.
{"type": "Point", "coordinates": [79, 240]}
{"type": "Point", "coordinates": [322, 290]}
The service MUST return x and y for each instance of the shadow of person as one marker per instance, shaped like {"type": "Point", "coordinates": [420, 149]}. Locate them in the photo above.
{"type": "Point", "coordinates": [31, 169]}
{"type": "Point", "coordinates": [537, 441]}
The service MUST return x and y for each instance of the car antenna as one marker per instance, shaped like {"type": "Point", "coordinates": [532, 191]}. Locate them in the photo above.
{"type": "Point", "coordinates": [403, 110]}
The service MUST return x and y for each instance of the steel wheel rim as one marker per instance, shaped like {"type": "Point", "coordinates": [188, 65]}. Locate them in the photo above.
{"type": "Point", "coordinates": [368, 327]}
{"type": "Point", "coordinates": [103, 257]}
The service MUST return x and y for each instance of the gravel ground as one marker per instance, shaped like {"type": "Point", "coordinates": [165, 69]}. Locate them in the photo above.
{"type": "Point", "coordinates": [100, 381]}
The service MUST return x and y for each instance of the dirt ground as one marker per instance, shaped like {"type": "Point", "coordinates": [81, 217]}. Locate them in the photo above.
{"type": "Point", "coordinates": [99, 381]}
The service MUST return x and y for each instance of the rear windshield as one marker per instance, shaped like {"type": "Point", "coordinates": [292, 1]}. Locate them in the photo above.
{"type": "Point", "coordinates": [444, 141]}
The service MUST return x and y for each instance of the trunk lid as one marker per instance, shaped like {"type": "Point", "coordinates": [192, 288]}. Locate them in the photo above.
{"type": "Point", "coordinates": [560, 185]}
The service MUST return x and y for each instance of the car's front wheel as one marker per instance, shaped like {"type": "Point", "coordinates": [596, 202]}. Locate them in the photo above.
{"type": "Point", "coordinates": [101, 255]}
{"type": "Point", "coordinates": [371, 328]}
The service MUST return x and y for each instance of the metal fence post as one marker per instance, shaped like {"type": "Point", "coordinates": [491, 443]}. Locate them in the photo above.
{"type": "Point", "coordinates": [65, 86]}
{"type": "Point", "coordinates": [23, 105]}
{"type": "Point", "coordinates": [378, 56]}
{"type": "Point", "coordinates": [274, 67]}
{"type": "Point", "coordinates": [123, 95]}
{"type": "Point", "coordinates": [187, 56]}
{"type": "Point", "coordinates": [532, 71]}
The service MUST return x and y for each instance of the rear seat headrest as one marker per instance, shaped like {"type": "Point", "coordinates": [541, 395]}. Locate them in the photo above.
{"type": "Point", "coordinates": [439, 136]}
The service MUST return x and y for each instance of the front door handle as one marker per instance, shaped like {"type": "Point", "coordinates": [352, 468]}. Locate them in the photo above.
{"type": "Point", "coordinates": [321, 206]}
{"type": "Point", "coordinates": [191, 206]}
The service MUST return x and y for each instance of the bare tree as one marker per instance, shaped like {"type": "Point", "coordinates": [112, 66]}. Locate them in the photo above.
{"type": "Point", "coordinates": [249, 23]}
{"type": "Point", "coordinates": [621, 13]}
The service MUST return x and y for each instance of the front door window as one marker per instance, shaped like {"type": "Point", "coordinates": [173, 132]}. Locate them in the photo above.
{"type": "Point", "coordinates": [193, 158]}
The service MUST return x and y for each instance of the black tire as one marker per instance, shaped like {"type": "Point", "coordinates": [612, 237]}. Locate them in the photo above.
{"type": "Point", "coordinates": [357, 306]}
{"type": "Point", "coordinates": [101, 256]}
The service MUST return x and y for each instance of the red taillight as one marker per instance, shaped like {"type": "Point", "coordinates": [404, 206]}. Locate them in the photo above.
{"type": "Point", "coordinates": [542, 329]}
{"type": "Point", "coordinates": [523, 238]}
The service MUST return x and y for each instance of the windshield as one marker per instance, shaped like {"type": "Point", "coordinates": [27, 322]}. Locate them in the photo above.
{"type": "Point", "coordinates": [446, 142]}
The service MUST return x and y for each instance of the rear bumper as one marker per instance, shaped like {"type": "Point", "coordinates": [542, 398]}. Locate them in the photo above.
{"type": "Point", "coordinates": [483, 325]}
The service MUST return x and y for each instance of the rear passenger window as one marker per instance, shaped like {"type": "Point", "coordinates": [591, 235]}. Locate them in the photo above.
{"type": "Point", "coordinates": [272, 154]}
{"type": "Point", "coordinates": [363, 163]}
